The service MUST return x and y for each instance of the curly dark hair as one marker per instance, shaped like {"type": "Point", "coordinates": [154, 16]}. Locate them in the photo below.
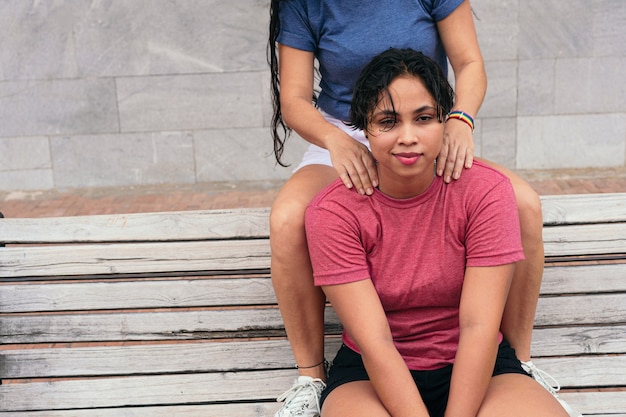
{"type": "Point", "coordinates": [375, 78]}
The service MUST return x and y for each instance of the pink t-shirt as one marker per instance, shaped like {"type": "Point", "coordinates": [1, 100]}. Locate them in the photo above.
{"type": "Point", "coordinates": [415, 251]}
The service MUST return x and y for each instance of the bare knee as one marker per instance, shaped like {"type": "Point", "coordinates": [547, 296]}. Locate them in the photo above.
{"type": "Point", "coordinates": [528, 202]}
{"type": "Point", "coordinates": [287, 217]}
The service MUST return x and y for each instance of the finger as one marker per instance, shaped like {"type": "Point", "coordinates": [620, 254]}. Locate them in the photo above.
{"type": "Point", "coordinates": [469, 158]}
{"type": "Point", "coordinates": [355, 179]}
{"type": "Point", "coordinates": [441, 159]}
{"type": "Point", "coordinates": [361, 179]}
{"type": "Point", "coordinates": [449, 165]}
{"type": "Point", "coordinates": [345, 178]}
{"type": "Point", "coordinates": [371, 172]}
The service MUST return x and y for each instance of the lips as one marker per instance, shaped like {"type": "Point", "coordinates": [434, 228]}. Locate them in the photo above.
{"type": "Point", "coordinates": [407, 158]}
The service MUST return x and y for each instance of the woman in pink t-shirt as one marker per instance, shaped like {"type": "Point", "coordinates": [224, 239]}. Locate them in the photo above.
{"type": "Point", "coordinates": [419, 272]}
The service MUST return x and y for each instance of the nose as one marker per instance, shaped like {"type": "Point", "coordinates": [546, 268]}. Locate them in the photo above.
{"type": "Point", "coordinates": [408, 134]}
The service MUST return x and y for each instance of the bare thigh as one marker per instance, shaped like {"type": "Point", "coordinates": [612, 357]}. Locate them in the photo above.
{"type": "Point", "coordinates": [354, 399]}
{"type": "Point", "coordinates": [517, 395]}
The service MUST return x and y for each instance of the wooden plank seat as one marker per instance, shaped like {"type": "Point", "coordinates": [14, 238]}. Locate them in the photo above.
{"type": "Point", "coordinates": [173, 314]}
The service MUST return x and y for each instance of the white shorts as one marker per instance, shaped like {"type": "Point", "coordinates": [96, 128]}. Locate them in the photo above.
{"type": "Point", "coordinates": [316, 155]}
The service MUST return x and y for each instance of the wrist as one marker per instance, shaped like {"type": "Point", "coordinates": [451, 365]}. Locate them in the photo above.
{"type": "Point", "coordinates": [462, 116]}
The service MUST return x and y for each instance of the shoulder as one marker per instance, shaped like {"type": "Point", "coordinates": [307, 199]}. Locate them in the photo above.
{"type": "Point", "coordinates": [482, 175]}
{"type": "Point", "coordinates": [480, 185]}
{"type": "Point", "coordinates": [440, 9]}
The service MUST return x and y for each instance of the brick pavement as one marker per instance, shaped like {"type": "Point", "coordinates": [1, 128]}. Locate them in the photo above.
{"type": "Point", "coordinates": [246, 194]}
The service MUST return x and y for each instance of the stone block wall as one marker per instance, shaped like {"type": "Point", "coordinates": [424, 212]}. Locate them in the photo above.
{"type": "Point", "coordinates": [122, 93]}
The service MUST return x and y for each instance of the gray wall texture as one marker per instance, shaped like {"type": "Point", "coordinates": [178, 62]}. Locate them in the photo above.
{"type": "Point", "coordinates": [97, 93]}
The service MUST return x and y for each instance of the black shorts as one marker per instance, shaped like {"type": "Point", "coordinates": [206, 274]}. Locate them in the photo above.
{"type": "Point", "coordinates": [433, 385]}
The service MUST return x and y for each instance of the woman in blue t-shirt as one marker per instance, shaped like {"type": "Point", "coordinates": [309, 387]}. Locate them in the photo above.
{"type": "Point", "coordinates": [337, 38]}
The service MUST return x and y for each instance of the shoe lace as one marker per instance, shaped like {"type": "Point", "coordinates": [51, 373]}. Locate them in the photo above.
{"type": "Point", "coordinates": [300, 396]}
{"type": "Point", "coordinates": [544, 378]}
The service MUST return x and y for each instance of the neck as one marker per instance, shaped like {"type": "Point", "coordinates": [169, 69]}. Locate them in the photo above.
{"type": "Point", "coordinates": [400, 187]}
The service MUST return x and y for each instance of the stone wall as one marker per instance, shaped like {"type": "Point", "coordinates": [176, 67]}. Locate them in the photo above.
{"type": "Point", "coordinates": [119, 93]}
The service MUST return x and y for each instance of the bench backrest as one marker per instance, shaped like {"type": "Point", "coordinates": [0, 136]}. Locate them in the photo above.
{"type": "Point", "coordinates": [174, 313]}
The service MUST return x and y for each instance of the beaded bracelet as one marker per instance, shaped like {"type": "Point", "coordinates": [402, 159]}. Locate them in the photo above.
{"type": "Point", "coordinates": [457, 114]}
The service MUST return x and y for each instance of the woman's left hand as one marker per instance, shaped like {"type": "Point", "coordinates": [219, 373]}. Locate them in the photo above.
{"type": "Point", "coordinates": [457, 150]}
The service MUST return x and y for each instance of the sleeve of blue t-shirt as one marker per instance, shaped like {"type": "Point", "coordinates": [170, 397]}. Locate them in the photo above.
{"type": "Point", "coordinates": [295, 29]}
{"type": "Point", "coordinates": [440, 9]}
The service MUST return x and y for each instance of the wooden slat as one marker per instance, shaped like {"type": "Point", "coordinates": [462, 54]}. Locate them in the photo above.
{"type": "Point", "coordinates": [238, 255]}
{"type": "Point", "coordinates": [579, 340]}
{"type": "Point", "coordinates": [182, 225]}
{"type": "Point", "coordinates": [584, 279]}
{"type": "Point", "coordinates": [38, 297]}
{"type": "Point", "coordinates": [151, 359]}
{"type": "Point", "coordinates": [592, 239]}
{"type": "Point", "coordinates": [184, 325]}
{"type": "Point", "coordinates": [198, 388]}
{"type": "Point", "coordinates": [131, 258]}
{"type": "Point", "coordinates": [597, 404]}
{"type": "Point", "coordinates": [254, 409]}
{"type": "Point", "coordinates": [147, 390]}
{"type": "Point", "coordinates": [581, 310]}
{"type": "Point", "coordinates": [586, 371]}
{"type": "Point", "coordinates": [145, 293]}
{"type": "Point", "coordinates": [583, 208]}
{"type": "Point", "coordinates": [138, 326]}
{"type": "Point", "coordinates": [191, 357]}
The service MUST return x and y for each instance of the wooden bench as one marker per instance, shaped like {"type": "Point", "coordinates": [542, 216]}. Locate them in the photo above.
{"type": "Point", "coordinates": [173, 314]}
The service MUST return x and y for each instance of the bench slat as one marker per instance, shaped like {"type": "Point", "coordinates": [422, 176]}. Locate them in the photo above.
{"type": "Point", "coordinates": [598, 404]}
{"type": "Point", "coordinates": [140, 227]}
{"type": "Point", "coordinates": [588, 239]}
{"type": "Point", "coordinates": [147, 390]}
{"type": "Point", "coordinates": [259, 385]}
{"type": "Point", "coordinates": [134, 258]}
{"type": "Point", "coordinates": [580, 310]}
{"type": "Point", "coordinates": [578, 340]}
{"type": "Point", "coordinates": [197, 292]}
{"type": "Point", "coordinates": [576, 279]}
{"type": "Point", "coordinates": [583, 208]}
{"type": "Point", "coordinates": [586, 402]}
{"type": "Point", "coordinates": [269, 354]}
{"type": "Point", "coordinates": [145, 326]}
{"type": "Point", "coordinates": [144, 293]}
{"type": "Point", "coordinates": [185, 325]}
{"type": "Point", "coordinates": [586, 371]}
{"type": "Point", "coordinates": [152, 359]}
{"type": "Point", "coordinates": [254, 409]}
{"type": "Point", "coordinates": [240, 255]}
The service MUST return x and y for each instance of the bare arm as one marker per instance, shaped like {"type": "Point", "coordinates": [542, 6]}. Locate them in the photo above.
{"type": "Point", "coordinates": [352, 160]}
{"type": "Point", "coordinates": [482, 302]}
{"type": "Point", "coordinates": [458, 35]}
{"type": "Point", "coordinates": [361, 313]}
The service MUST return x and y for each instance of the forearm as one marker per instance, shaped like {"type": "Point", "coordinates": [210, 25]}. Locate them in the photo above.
{"type": "Point", "coordinates": [307, 121]}
{"type": "Point", "coordinates": [470, 86]}
{"type": "Point", "coordinates": [393, 382]}
{"type": "Point", "coordinates": [473, 369]}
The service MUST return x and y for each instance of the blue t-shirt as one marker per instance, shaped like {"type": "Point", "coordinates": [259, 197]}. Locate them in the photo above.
{"type": "Point", "coordinates": [345, 35]}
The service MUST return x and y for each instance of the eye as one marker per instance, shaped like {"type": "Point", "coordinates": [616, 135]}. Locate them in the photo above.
{"type": "Point", "coordinates": [386, 124]}
{"type": "Point", "coordinates": [424, 118]}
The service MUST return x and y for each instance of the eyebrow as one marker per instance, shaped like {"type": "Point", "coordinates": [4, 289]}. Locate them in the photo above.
{"type": "Point", "coordinates": [393, 113]}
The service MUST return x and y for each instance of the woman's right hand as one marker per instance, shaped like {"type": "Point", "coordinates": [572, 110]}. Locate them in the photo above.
{"type": "Point", "coordinates": [354, 163]}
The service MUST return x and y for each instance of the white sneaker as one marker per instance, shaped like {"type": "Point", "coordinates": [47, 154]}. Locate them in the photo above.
{"type": "Point", "coordinates": [302, 399]}
{"type": "Point", "coordinates": [552, 385]}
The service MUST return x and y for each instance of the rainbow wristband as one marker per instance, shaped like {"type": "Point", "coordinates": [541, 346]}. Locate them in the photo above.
{"type": "Point", "coordinates": [457, 114]}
